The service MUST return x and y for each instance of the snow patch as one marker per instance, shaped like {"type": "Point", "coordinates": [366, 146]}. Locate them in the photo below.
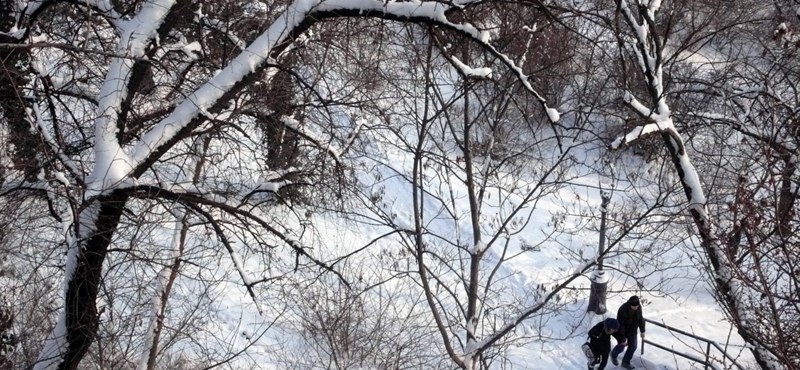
{"type": "Point", "coordinates": [483, 72]}
{"type": "Point", "coordinates": [553, 115]}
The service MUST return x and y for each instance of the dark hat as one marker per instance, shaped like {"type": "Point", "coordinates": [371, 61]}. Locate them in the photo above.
{"type": "Point", "coordinates": [634, 301]}
{"type": "Point", "coordinates": [611, 324]}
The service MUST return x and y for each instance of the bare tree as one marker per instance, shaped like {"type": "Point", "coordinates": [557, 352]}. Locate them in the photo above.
{"type": "Point", "coordinates": [108, 101]}
{"type": "Point", "coordinates": [375, 322]}
{"type": "Point", "coordinates": [487, 166]}
{"type": "Point", "coordinates": [117, 98]}
{"type": "Point", "coordinates": [746, 254]}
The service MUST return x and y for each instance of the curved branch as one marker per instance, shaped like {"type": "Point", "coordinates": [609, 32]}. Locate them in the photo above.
{"type": "Point", "coordinates": [298, 18]}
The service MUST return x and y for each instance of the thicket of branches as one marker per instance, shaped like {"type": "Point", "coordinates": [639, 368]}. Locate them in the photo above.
{"type": "Point", "coordinates": [158, 154]}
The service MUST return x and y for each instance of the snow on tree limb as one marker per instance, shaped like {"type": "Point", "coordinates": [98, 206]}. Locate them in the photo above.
{"type": "Point", "coordinates": [56, 346]}
{"type": "Point", "coordinates": [112, 164]}
{"type": "Point", "coordinates": [658, 118]}
{"type": "Point", "coordinates": [481, 72]}
{"type": "Point", "coordinates": [255, 56]}
{"type": "Point", "coordinates": [111, 168]}
{"type": "Point", "coordinates": [728, 284]}
{"type": "Point", "coordinates": [115, 167]}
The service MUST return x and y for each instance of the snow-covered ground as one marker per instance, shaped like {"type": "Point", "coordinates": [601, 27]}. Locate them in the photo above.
{"type": "Point", "coordinates": [684, 301]}
{"type": "Point", "coordinates": [696, 314]}
{"type": "Point", "coordinates": [691, 309]}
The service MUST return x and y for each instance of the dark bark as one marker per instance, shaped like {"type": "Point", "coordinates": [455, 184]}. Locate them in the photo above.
{"type": "Point", "coordinates": [82, 288]}
{"type": "Point", "coordinates": [12, 104]}
{"type": "Point", "coordinates": [787, 197]}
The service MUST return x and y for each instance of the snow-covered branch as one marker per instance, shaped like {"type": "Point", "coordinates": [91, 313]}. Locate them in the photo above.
{"type": "Point", "coordinates": [295, 19]}
{"type": "Point", "coordinates": [728, 283]}
{"type": "Point", "coordinates": [112, 165]}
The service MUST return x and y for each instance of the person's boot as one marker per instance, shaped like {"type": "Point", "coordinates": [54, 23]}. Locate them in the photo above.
{"type": "Point", "coordinates": [615, 360]}
{"type": "Point", "coordinates": [627, 365]}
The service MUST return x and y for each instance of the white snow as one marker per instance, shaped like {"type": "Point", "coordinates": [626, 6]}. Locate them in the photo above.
{"type": "Point", "coordinates": [482, 72]}
{"type": "Point", "coordinates": [192, 49]}
{"type": "Point", "coordinates": [553, 115]}
{"type": "Point", "coordinates": [601, 277]}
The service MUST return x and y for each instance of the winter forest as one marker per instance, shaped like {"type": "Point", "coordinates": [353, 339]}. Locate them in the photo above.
{"type": "Point", "coordinates": [390, 184]}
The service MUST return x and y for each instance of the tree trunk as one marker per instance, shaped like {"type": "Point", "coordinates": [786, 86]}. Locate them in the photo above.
{"type": "Point", "coordinates": [80, 318]}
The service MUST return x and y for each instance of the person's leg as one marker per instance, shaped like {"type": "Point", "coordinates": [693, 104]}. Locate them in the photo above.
{"type": "Point", "coordinates": [591, 356]}
{"type": "Point", "coordinates": [593, 362]}
{"type": "Point", "coordinates": [603, 361]}
{"type": "Point", "coordinates": [632, 344]}
{"type": "Point", "coordinates": [616, 351]}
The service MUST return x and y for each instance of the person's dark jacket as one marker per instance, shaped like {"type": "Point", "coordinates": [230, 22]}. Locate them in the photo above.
{"type": "Point", "coordinates": [599, 340]}
{"type": "Point", "coordinates": [630, 320]}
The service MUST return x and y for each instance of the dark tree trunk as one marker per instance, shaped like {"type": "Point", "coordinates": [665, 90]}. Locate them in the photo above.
{"type": "Point", "coordinates": [12, 105]}
{"type": "Point", "coordinates": [82, 288]}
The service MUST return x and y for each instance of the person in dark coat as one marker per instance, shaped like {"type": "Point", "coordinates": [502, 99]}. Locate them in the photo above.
{"type": "Point", "coordinates": [630, 320]}
{"type": "Point", "coordinates": [600, 342]}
